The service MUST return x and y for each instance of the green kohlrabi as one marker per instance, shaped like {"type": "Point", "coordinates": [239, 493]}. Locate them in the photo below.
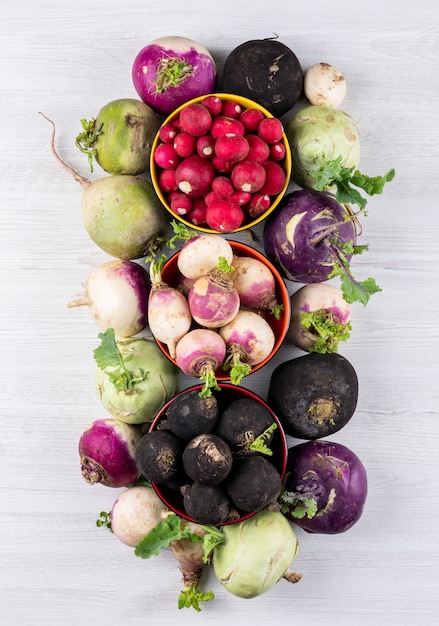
{"type": "Point", "coordinates": [325, 149]}
{"type": "Point", "coordinates": [134, 379]}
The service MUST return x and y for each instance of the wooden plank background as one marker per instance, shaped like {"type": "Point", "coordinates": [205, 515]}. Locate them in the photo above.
{"type": "Point", "coordinates": [56, 566]}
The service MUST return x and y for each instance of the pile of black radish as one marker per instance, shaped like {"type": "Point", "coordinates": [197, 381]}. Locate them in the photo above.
{"type": "Point", "coordinates": [216, 454]}
{"type": "Point", "coordinates": [237, 509]}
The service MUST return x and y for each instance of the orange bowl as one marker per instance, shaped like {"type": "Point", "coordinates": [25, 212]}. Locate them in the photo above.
{"type": "Point", "coordinates": [171, 276]}
{"type": "Point", "coordinates": [245, 103]}
{"type": "Point", "coordinates": [172, 498]}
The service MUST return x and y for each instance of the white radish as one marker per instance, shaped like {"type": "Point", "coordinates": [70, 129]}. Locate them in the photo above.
{"type": "Point", "coordinates": [117, 294]}
{"type": "Point", "coordinates": [320, 318]}
{"type": "Point", "coordinates": [169, 317]}
{"type": "Point", "coordinates": [200, 353]}
{"type": "Point", "coordinates": [255, 284]}
{"type": "Point", "coordinates": [250, 340]}
{"type": "Point", "coordinates": [324, 84]}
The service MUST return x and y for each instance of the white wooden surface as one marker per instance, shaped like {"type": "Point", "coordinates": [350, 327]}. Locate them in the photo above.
{"type": "Point", "coordinates": [68, 60]}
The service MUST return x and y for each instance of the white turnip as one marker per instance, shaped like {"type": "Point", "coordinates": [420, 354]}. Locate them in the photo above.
{"type": "Point", "coordinates": [201, 353]}
{"type": "Point", "coordinates": [122, 214]}
{"type": "Point", "coordinates": [107, 453]}
{"type": "Point", "coordinates": [249, 340]}
{"type": "Point", "coordinates": [135, 512]}
{"type": "Point", "coordinates": [184, 539]}
{"type": "Point", "coordinates": [213, 300]}
{"type": "Point", "coordinates": [324, 84]}
{"type": "Point", "coordinates": [201, 254]}
{"type": "Point", "coordinates": [117, 294]}
{"type": "Point", "coordinates": [169, 317]}
{"type": "Point", "coordinates": [320, 318]}
{"type": "Point", "coordinates": [255, 284]}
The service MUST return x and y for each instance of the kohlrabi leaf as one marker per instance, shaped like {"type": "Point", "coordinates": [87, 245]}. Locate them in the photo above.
{"type": "Point", "coordinates": [169, 529]}
{"type": "Point", "coordinates": [346, 179]}
{"type": "Point", "coordinates": [353, 290]}
{"type": "Point", "coordinates": [110, 360]}
{"type": "Point", "coordinates": [299, 504]}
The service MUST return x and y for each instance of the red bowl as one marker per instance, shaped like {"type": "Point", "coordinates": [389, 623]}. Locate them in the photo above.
{"type": "Point", "coordinates": [171, 275]}
{"type": "Point", "coordinates": [228, 392]}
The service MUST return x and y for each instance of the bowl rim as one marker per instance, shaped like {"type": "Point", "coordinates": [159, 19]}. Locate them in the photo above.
{"type": "Point", "coordinates": [287, 165]}
{"type": "Point", "coordinates": [280, 286]}
{"type": "Point", "coordinates": [236, 389]}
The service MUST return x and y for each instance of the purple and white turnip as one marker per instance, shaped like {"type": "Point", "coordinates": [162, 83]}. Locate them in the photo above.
{"type": "Point", "coordinates": [117, 294]}
{"type": "Point", "coordinates": [107, 453]}
{"type": "Point", "coordinates": [171, 70]}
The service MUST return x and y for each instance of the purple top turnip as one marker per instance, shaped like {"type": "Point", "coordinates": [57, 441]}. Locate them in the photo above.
{"type": "Point", "coordinates": [169, 71]}
{"type": "Point", "coordinates": [117, 294]}
{"type": "Point", "coordinates": [107, 453]}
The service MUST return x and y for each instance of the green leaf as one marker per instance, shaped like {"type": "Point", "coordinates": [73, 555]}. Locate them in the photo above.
{"type": "Point", "coordinates": [86, 139]}
{"type": "Point", "coordinates": [181, 233]}
{"type": "Point", "coordinates": [110, 360]}
{"type": "Point", "coordinates": [259, 444]}
{"type": "Point", "coordinates": [354, 291]}
{"type": "Point", "coordinates": [345, 179]}
{"type": "Point", "coordinates": [104, 520]}
{"type": "Point", "coordinates": [299, 504]}
{"type": "Point", "coordinates": [213, 537]}
{"type": "Point", "coordinates": [169, 529]}
{"type": "Point", "coordinates": [192, 596]}
{"type": "Point", "coordinates": [324, 331]}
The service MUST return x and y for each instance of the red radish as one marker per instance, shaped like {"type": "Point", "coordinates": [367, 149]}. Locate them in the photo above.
{"type": "Point", "coordinates": [201, 254]}
{"type": "Point", "coordinates": [169, 317]}
{"type": "Point", "coordinates": [184, 144]}
{"type": "Point", "coordinates": [166, 157]}
{"type": "Point", "coordinates": [117, 294]}
{"type": "Point", "coordinates": [167, 182]}
{"type": "Point", "coordinates": [197, 215]}
{"type": "Point", "coordinates": [277, 151]}
{"type": "Point", "coordinates": [213, 300]}
{"type": "Point", "coordinates": [240, 197]}
{"type": "Point", "coordinates": [167, 133]}
{"type": "Point", "coordinates": [251, 118]}
{"type": "Point", "coordinates": [258, 204]}
{"type": "Point", "coordinates": [232, 148]}
{"type": "Point", "coordinates": [221, 166]}
{"type": "Point", "coordinates": [180, 202]}
{"type": "Point", "coordinates": [259, 149]}
{"type": "Point", "coordinates": [213, 104]}
{"type": "Point", "coordinates": [255, 284]}
{"type": "Point", "coordinates": [224, 215]}
{"type": "Point", "coordinates": [248, 176]}
{"type": "Point", "coordinates": [200, 353]}
{"type": "Point", "coordinates": [205, 146]}
{"type": "Point", "coordinates": [107, 453]}
{"type": "Point", "coordinates": [222, 186]}
{"type": "Point", "coordinates": [274, 178]}
{"type": "Point", "coordinates": [249, 339]}
{"type": "Point", "coordinates": [231, 109]}
{"type": "Point", "coordinates": [194, 175]}
{"type": "Point", "coordinates": [221, 125]}
{"type": "Point", "coordinates": [210, 197]}
{"type": "Point", "coordinates": [270, 129]}
{"type": "Point", "coordinates": [195, 119]}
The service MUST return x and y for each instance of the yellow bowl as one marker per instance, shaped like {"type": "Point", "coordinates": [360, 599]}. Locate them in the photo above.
{"type": "Point", "coordinates": [245, 104]}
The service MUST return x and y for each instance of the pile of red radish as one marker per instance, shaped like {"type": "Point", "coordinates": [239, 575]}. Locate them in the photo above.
{"type": "Point", "coordinates": [220, 165]}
